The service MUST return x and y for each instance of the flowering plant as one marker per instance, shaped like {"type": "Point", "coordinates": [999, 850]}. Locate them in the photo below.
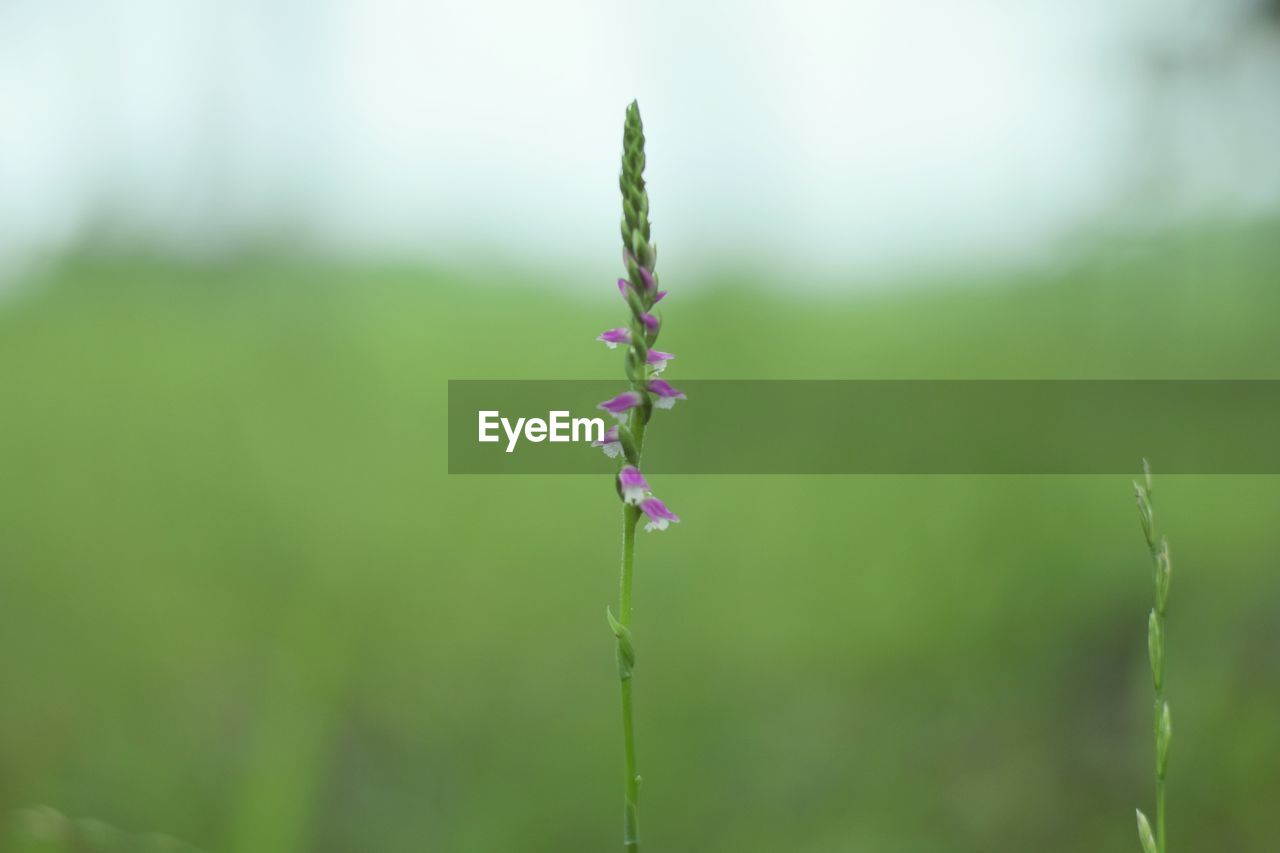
{"type": "Point", "coordinates": [633, 409]}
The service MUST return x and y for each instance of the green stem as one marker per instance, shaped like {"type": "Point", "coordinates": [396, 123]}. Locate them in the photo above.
{"type": "Point", "coordinates": [1160, 814]}
{"type": "Point", "coordinates": [1158, 707]}
{"type": "Point", "coordinates": [631, 782]}
{"type": "Point", "coordinates": [1160, 771]}
{"type": "Point", "coordinates": [1162, 727]}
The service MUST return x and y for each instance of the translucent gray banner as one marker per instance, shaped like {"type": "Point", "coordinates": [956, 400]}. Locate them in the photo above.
{"type": "Point", "coordinates": [878, 427]}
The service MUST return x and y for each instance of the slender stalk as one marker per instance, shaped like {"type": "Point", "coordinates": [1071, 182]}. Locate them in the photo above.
{"type": "Point", "coordinates": [1161, 572]}
{"type": "Point", "coordinates": [626, 653]}
{"type": "Point", "coordinates": [1160, 843]}
{"type": "Point", "coordinates": [631, 780]}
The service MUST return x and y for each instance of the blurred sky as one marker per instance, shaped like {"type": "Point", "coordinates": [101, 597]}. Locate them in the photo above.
{"type": "Point", "coordinates": [814, 136]}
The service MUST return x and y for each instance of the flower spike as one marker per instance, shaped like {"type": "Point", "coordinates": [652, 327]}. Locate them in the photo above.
{"type": "Point", "coordinates": [625, 442]}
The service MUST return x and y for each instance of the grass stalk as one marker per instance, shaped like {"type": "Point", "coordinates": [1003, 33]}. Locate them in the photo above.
{"type": "Point", "coordinates": [1162, 729]}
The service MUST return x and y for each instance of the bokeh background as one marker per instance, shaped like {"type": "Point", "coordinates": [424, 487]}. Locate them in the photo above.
{"type": "Point", "coordinates": [243, 244]}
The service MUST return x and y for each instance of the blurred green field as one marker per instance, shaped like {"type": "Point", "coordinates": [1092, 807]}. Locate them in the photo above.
{"type": "Point", "coordinates": [242, 604]}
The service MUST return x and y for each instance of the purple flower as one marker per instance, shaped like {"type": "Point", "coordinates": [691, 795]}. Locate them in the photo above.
{"type": "Point", "coordinates": [632, 484]}
{"type": "Point", "coordinates": [657, 359]}
{"type": "Point", "coordinates": [611, 445]}
{"type": "Point", "coordinates": [658, 298]}
{"type": "Point", "coordinates": [650, 322]}
{"type": "Point", "coordinates": [619, 404]}
{"type": "Point", "coordinates": [647, 278]}
{"type": "Point", "coordinates": [623, 287]}
{"type": "Point", "coordinates": [666, 394]}
{"type": "Point", "coordinates": [659, 515]}
{"type": "Point", "coordinates": [613, 337]}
